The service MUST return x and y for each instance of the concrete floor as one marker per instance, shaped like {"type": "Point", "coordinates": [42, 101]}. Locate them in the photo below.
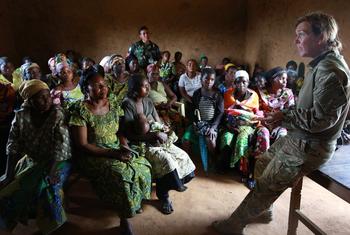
{"type": "Point", "coordinates": [207, 199]}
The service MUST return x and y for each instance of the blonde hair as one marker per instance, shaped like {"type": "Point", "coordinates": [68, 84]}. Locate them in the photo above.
{"type": "Point", "coordinates": [322, 23]}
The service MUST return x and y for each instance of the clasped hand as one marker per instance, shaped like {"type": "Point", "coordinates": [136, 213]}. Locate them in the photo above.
{"type": "Point", "coordinates": [162, 137]}
{"type": "Point", "coordinates": [272, 119]}
{"type": "Point", "coordinates": [122, 155]}
{"type": "Point", "coordinates": [211, 133]}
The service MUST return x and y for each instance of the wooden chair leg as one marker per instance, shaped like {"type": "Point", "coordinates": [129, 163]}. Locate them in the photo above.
{"type": "Point", "coordinates": [295, 198]}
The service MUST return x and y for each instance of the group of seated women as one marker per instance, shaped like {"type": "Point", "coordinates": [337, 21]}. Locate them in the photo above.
{"type": "Point", "coordinates": [123, 128]}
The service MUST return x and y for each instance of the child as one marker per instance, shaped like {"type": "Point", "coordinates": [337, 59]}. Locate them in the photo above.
{"type": "Point", "coordinates": [143, 126]}
{"type": "Point", "coordinates": [209, 106]}
{"type": "Point", "coordinates": [167, 70]}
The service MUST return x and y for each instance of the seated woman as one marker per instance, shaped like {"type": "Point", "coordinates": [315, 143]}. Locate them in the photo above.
{"type": "Point", "coordinates": [167, 70]}
{"type": "Point", "coordinates": [180, 69]}
{"type": "Point", "coordinates": [118, 174]}
{"type": "Point", "coordinates": [31, 71]}
{"type": "Point", "coordinates": [68, 91]}
{"type": "Point", "coordinates": [132, 65]}
{"type": "Point", "coordinates": [51, 79]}
{"type": "Point", "coordinates": [210, 105]}
{"type": "Point", "coordinates": [35, 187]}
{"type": "Point", "coordinates": [117, 80]}
{"type": "Point", "coordinates": [276, 97]}
{"type": "Point", "coordinates": [86, 62]}
{"type": "Point", "coordinates": [241, 107]}
{"type": "Point", "coordinates": [171, 166]}
{"type": "Point", "coordinates": [7, 74]}
{"type": "Point", "coordinates": [142, 126]}
{"type": "Point", "coordinates": [189, 82]}
{"type": "Point", "coordinates": [164, 101]}
{"type": "Point", "coordinates": [229, 78]}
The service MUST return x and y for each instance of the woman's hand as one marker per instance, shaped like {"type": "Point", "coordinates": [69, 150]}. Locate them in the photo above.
{"type": "Point", "coordinates": [122, 155]}
{"type": "Point", "coordinates": [165, 106]}
{"type": "Point", "coordinates": [125, 156]}
{"type": "Point", "coordinates": [273, 119]}
{"type": "Point", "coordinates": [162, 137]}
{"type": "Point", "coordinates": [211, 132]}
{"type": "Point", "coordinates": [166, 128]}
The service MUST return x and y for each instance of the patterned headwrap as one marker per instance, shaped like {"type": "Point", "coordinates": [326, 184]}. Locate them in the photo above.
{"type": "Point", "coordinates": [116, 59]}
{"type": "Point", "coordinates": [31, 87]}
{"type": "Point", "coordinates": [60, 57]}
{"type": "Point", "coordinates": [25, 68]}
{"type": "Point", "coordinates": [50, 60]}
{"type": "Point", "coordinates": [61, 65]}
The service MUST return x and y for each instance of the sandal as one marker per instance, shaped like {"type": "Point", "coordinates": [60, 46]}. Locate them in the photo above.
{"type": "Point", "coordinates": [251, 183]}
{"type": "Point", "coordinates": [139, 211]}
{"type": "Point", "coordinates": [182, 189]}
{"type": "Point", "coordinates": [167, 207]}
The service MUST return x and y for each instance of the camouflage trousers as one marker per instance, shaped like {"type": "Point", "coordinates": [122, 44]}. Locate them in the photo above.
{"type": "Point", "coordinates": [286, 161]}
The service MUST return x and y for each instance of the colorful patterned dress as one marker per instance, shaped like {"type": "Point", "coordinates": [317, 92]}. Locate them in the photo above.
{"type": "Point", "coordinates": [276, 102]}
{"type": "Point", "coordinates": [30, 194]}
{"type": "Point", "coordinates": [67, 98]}
{"type": "Point", "coordinates": [117, 90]}
{"type": "Point", "coordinates": [239, 115]}
{"type": "Point", "coordinates": [124, 185]}
{"type": "Point", "coordinates": [170, 117]}
{"type": "Point", "coordinates": [163, 159]}
{"type": "Point", "coordinates": [166, 71]}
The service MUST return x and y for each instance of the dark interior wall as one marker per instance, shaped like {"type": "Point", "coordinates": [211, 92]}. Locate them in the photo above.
{"type": "Point", "coordinates": [271, 28]}
{"type": "Point", "coordinates": [97, 28]}
{"type": "Point", "coordinates": [246, 30]}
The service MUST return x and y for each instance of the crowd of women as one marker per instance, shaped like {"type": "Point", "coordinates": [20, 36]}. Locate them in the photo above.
{"type": "Point", "coordinates": [127, 122]}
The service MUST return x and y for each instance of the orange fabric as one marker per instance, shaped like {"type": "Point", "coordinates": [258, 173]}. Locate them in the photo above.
{"type": "Point", "coordinates": [252, 103]}
{"type": "Point", "coordinates": [7, 100]}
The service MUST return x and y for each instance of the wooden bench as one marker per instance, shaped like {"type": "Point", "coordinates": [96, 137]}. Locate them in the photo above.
{"type": "Point", "coordinates": [334, 176]}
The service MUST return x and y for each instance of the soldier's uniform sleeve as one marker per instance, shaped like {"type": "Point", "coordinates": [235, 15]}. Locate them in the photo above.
{"type": "Point", "coordinates": [330, 95]}
{"type": "Point", "coordinates": [131, 50]}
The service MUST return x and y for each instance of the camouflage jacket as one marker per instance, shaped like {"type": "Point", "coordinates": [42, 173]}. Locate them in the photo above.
{"type": "Point", "coordinates": [323, 102]}
{"type": "Point", "coordinates": [145, 53]}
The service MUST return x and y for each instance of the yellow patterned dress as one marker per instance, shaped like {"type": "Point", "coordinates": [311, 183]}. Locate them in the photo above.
{"type": "Point", "coordinates": [124, 185]}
